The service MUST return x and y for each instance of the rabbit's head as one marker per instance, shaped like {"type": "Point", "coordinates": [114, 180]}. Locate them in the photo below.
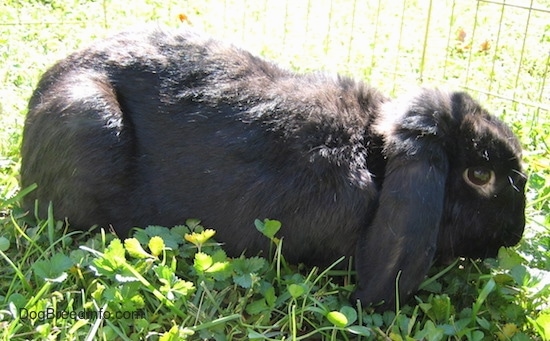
{"type": "Point", "coordinates": [484, 196]}
{"type": "Point", "coordinates": [452, 187]}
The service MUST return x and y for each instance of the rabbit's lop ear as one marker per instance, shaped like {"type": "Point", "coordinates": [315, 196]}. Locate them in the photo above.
{"type": "Point", "coordinates": [397, 249]}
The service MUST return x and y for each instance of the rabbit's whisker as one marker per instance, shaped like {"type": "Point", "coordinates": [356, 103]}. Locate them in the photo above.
{"type": "Point", "coordinates": [521, 174]}
{"type": "Point", "coordinates": [513, 184]}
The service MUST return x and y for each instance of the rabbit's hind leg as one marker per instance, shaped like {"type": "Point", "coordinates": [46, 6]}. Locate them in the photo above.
{"type": "Point", "coordinates": [78, 148]}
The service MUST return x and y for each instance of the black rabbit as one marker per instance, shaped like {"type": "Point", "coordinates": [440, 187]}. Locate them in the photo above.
{"type": "Point", "coordinates": [154, 127]}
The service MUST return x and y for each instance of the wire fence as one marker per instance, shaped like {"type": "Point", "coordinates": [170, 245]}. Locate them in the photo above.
{"type": "Point", "coordinates": [497, 49]}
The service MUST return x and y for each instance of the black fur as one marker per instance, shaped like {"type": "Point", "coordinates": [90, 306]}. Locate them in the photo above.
{"type": "Point", "coordinates": [155, 127]}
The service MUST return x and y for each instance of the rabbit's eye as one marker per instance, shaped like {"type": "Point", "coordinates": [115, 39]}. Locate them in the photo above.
{"type": "Point", "coordinates": [479, 176]}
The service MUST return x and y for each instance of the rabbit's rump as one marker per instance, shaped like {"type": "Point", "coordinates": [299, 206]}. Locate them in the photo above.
{"type": "Point", "coordinates": [155, 127]}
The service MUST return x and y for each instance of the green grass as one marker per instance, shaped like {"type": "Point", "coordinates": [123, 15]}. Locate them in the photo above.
{"type": "Point", "coordinates": [179, 283]}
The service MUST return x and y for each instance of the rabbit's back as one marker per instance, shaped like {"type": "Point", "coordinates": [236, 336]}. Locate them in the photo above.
{"type": "Point", "coordinates": [154, 128]}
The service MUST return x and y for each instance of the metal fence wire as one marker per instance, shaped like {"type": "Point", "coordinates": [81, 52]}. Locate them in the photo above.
{"type": "Point", "coordinates": [499, 50]}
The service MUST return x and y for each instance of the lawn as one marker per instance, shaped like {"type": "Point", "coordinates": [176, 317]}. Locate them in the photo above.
{"type": "Point", "coordinates": [178, 283]}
